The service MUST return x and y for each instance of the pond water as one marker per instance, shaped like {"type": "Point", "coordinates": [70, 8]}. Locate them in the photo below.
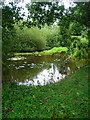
{"type": "Point", "coordinates": [41, 70]}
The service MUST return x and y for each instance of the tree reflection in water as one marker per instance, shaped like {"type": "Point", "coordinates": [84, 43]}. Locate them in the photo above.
{"type": "Point", "coordinates": [40, 70]}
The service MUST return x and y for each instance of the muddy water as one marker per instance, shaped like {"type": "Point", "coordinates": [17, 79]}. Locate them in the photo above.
{"type": "Point", "coordinates": [41, 70]}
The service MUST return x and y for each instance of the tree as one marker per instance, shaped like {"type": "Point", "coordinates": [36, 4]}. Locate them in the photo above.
{"type": "Point", "coordinates": [10, 16]}
{"type": "Point", "coordinates": [77, 15]}
{"type": "Point", "coordinates": [41, 15]}
{"type": "Point", "coordinates": [84, 13]}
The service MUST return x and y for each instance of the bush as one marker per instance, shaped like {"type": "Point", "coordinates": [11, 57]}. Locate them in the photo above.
{"type": "Point", "coordinates": [7, 42]}
{"type": "Point", "coordinates": [52, 33]}
{"type": "Point", "coordinates": [29, 39]}
{"type": "Point", "coordinates": [32, 39]}
{"type": "Point", "coordinates": [79, 47]}
{"type": "Point", "coordinates": [35, 39]}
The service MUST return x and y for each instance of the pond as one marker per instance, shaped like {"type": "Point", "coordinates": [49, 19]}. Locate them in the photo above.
{"type": "Point", "coordinates": [35, 70]}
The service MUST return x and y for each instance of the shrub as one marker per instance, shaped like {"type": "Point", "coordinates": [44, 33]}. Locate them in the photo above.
{"type": "Point", "coordinates": [79, 47]}
{"type": "Point", "coordinates": [53, 37]}
{"type": "Point", "coordinates": [29, 39]}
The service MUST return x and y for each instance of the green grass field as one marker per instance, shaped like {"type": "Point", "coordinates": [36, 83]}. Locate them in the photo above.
{"type": "Point", "coordinates": [65, 99]}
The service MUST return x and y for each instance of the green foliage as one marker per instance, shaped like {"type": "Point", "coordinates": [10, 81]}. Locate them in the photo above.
{"type": "Point", "coordinates": [79, 47]}
{"type": "Point", "coordinates": [49, 101]}
{"type": "Point", "coordinates": [34, 39]}
{"type": "Point", "coordinates": [10, 15]}
{"type": "Point", "coordinates": [65, 33]}
{"type": "Point", "coordinates": [29, 39]}
{"type": "Point", "coordinates": [45, 52]}
{"type": "Point", "coordinates": [76, 28]}
{"type": "Point", "coordinates": [52, 33]}
{"type": "Point", "coordinates": [54, 50]}
{"type": "Point", "coordinates": [40, 15]}
{"type": "Point", "coordinates": [83, 13]}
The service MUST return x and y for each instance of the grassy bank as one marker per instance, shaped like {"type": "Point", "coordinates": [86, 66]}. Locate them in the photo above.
{"type": "Point", "coordinates": [65, 99]}
{"type": "Point", "coordinates": [45, 52]}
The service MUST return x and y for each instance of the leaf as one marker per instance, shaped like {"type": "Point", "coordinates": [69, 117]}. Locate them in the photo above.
{"type": "Point", "coordinates": [27, 112]}
{"type": "Point", "coordinates": [49, 109]}
{"type": "Point", "coordinates": [33, 96]}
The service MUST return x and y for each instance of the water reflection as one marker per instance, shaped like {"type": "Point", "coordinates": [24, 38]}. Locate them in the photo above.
{"type": "Point", "coordinates": [40, 70]}
{"type": "Point", "coordinates": [50, 75]}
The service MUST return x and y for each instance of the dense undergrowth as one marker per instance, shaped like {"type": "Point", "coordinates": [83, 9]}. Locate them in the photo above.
{"type": "Point", "coordinates": [33, 39]}
{"type": "Point", "coordinates": [79, 47]}
{"type": "Point", "coordinates": [65, 99]}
